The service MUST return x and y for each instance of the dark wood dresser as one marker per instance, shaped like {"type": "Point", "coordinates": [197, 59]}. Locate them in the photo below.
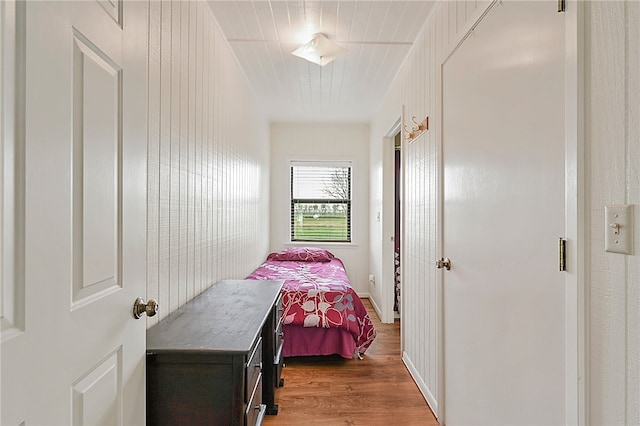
{"type": "Point", "coordinates": [217, 359]}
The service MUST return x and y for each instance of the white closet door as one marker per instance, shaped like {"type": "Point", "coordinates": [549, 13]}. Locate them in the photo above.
{"type": "Point", "coordinates": [503, 212]}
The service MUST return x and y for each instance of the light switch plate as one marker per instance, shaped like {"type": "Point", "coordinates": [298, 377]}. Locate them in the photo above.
{"type": "Point", "coordinates": [618, 222]}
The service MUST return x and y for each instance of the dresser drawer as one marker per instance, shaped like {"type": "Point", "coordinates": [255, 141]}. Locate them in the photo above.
{"type": "Point", "coordinates": [255, 410]}
{"type": "Point", "coordinates": [278, 305]}
{"type": "Point", "coordinates": [278, 336]}
{"type": "Point", "coordinates": [253, 369]}
{"type": "Point", "coordinates": [278, 333]}
{"type": "Point", "coordinates": [278, 362]}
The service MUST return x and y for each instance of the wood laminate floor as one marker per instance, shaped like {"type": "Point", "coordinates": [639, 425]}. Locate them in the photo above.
{"type": "Point", "coordinates": [376, 390]}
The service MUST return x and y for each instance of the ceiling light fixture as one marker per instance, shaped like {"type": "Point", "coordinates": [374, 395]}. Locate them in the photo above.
{"type": "Point", "coordinates": [320, 50]}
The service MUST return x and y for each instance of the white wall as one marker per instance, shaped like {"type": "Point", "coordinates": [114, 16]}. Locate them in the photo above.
{"type": "Point", "coordinates": [324, 141]}
{"type": "Point", "coordinates": [612, 139]}
{"type": "Point", "coordinates": [382, 214]}
{"type": "Point", "coordinates": [208, 159]}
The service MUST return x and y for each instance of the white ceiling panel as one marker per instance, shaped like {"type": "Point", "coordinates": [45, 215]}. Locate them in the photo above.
{"type": "Point", "coordinates": [377, 35]}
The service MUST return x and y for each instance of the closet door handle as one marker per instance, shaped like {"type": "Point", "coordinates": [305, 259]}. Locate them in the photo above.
{"type": "Point", "coordinates": [140, 307]}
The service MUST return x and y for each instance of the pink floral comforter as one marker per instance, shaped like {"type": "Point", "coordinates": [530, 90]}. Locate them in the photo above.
{"type": "Point", "coordinates": [318, 294]}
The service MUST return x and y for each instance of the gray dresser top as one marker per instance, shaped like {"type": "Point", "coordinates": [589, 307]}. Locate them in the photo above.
{"type": "Point", "coordinates": [227, 317]}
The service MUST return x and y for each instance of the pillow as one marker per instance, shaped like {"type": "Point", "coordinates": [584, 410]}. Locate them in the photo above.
{"type": "Point", "coordinates": [303, 254]}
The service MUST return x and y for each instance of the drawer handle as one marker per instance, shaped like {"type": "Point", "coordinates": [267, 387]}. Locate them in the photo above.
{"type": "Point", "coordinates": [259, 366]}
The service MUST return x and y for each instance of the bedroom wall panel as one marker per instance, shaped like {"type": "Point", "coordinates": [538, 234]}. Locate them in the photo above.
{"type": "Point", "coordinates": [417, 89]}
{"type": "Point", "coordinates": [12, 171]}
{"type": "Point", "coordinates": [326, 141]}
{"type": "Point", "coordinates": [208, 159]}
{"type": "Point", "coordinates": [612, 109]}
{"type": "Point", "coordinates": [377, 213]}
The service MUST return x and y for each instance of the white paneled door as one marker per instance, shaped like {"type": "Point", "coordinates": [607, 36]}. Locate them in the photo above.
{"type": "Point", "coordinates": [503, 213]}
{"type": "Point", "coordinates": [72, 353]}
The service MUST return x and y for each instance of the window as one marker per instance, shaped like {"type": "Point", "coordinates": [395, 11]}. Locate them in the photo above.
{"type": "Point", "coordinates": [321, 201]}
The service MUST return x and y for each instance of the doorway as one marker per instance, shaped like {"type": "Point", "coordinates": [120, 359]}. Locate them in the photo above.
{"type": "Point", "coordinates": [397, 219]}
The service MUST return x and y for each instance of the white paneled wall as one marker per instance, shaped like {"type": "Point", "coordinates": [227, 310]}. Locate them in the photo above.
{"type": "Point", "coordinates": [417, 88]}
{"type": "Point", "coordinates": [208, 159]}
{"type": "Point", "coordinates": [612, 110]}
{"type": "Point", "coordinates": [420, 214]}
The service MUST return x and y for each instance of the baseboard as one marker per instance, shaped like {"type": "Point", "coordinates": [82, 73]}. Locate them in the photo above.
{"type": "Point", "coordinates": [376, 308]}
{"type": "Point", "coordinates": [428, 396]}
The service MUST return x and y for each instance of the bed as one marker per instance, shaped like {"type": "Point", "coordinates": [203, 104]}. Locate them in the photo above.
{"type": "Point", "coordinates": [322, 314]}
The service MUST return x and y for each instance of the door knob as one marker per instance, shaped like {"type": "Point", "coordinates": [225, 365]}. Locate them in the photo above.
{"type": "Point", "coordinates": [140, 307]}
{"type": "Point", "coordinates": [445, 263]}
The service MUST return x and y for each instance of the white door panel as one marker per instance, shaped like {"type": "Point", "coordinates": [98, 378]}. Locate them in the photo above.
{"type": "Point", "coordinates": [80, 357]}
{"type": "Point", "coordinates": [503, 212]}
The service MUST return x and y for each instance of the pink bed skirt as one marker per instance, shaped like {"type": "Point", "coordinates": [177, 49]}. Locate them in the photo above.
{"type": "Point", "coordinates": [308, 341]}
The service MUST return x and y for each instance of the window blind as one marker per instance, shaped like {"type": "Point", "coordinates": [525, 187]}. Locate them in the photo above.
{"type": "Point", "coordinates": [321, 201]}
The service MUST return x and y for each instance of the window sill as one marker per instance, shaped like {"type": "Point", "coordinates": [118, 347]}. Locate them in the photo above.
{"type": "Point", "coordinates": [321, 244]}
